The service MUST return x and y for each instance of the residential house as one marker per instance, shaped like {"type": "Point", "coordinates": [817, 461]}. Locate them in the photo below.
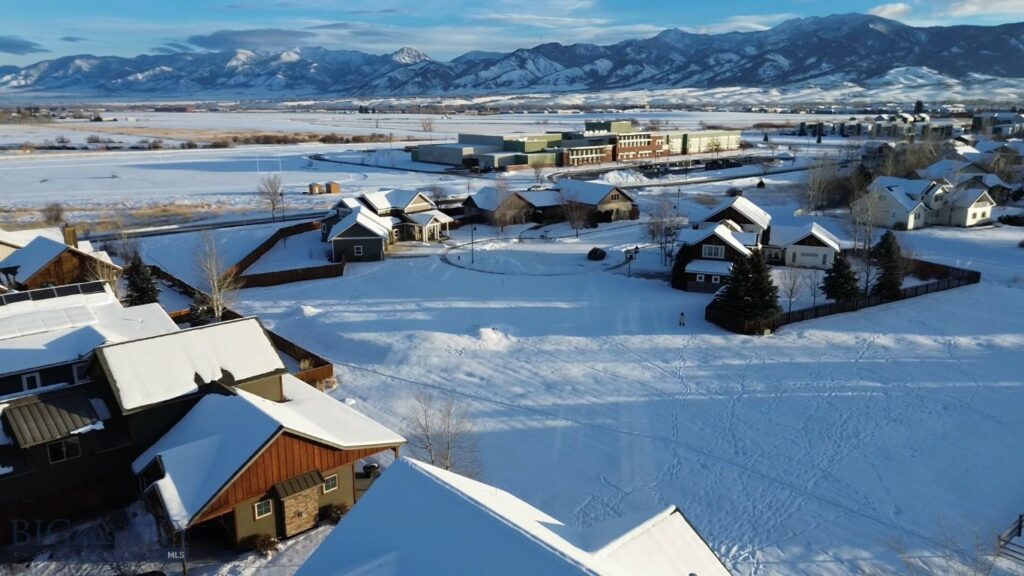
{"type": "Point", "coordinates": [413, 216]}
{"type": "Point", "coordinates": [252, 465]}
{"type": "Point", "coordinates": [607, 202]}
{"type": "Point", "coordinates": [358, 235]}
{"type": "Point", "coordinates": [11, 240]}
{"type": "Point", "coordinates": [998, 124]}
{"type": "Point", "coordinates": [66, 449]}
{"type": "Point", "coordinates": [904, 204]}
{"type": "Point", "coordinates": [489, 202]}
{"type": "Point", "coordinates": [420, 519]}
{"type": "Point", "coordinates": [808, 246]}
{"type": "Point", "coordinates": [963, 174]}
{"type": "Point", "coordinates": [46, 262]}
{"type": "Point", "coordinates": [708, 254]}
{"type": "Point", "coordinates": [749, 216]}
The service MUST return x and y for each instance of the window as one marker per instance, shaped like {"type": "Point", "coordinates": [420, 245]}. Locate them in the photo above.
{"type": "Point", "coordinates": [712, 251]}
{"type": "Point", "coordinates": [974, 215]}
{"type": "Point", "coordinates": [700, 277]}
{"type": "Point", "coordinates": [716, 279]}
{"type": "Point", "coordinates": [357, 250]}
{"type": "Point", "coordinates": [31, 381]}
{"type": "Point", "coordinates": [330, 484]}
{"type": "Point", "coordinates": [263, 508]}
{"type": "Point", "coordinates": [62, 450]}
{"type": "Point", "coordinates": [81, 372]}
{"type": "Point", "coordinates": [614, 197]}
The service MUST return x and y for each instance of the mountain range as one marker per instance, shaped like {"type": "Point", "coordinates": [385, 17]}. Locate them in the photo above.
{"type": "Point", "coordinates": [830, 51]}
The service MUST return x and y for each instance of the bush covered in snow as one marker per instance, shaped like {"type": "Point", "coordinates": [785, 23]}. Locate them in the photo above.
{"type": "Point", "coordinates": [333, 512]}
{"type": "Point", "coordinates": [262, 544]}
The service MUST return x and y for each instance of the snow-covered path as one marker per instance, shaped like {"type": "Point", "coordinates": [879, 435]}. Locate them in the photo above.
{"type": "Point", "coordinates": [807, 452]}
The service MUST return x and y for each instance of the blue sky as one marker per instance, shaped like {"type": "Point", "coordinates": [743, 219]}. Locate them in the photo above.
{"type": "Point", "coordinates": [43, 29]}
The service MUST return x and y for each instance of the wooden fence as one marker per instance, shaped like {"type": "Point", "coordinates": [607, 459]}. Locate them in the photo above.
{"type": "Point", "coordinates": [1005, 545]}
{"type": "Point", "coordinates": [265, 246]}
{"type": "Point", "coordinates": [276, 278]}
{"type": "Point", "coordinates": [950, 277]}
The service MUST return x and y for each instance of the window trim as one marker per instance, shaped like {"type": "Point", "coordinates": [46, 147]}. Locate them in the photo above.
{"type": "Point", "coordinates": [716, 279]}
{"type": "Point", "coordinates": [715, 251]}
{"type": "Point", "coordinates": [24, 385]}
{"type": "Point", "coordinates": [64, 441]}
{"type": "Point", "coordinates": [336, 483]}
{"type": "Point", "coordinates": [700, 277]}
{"type": "Point", "coordinates": [357, 250]}
{"type": "Point", "coordinates": [256, 509]}
{"type": "Point", "coordinates": [74, 371]}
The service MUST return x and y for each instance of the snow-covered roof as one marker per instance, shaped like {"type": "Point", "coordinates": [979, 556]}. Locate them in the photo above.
{"type": "Point", "coordinates": [589, 193]}
{"type": "Point", "coordinates": [697, 235]}
{"type": "Point", "coordinates": [906, 192]}
{"type": "Point", "coordinates": [783, 236]}
{"type": "Point", "coordinates": [153, 370]}
{"type": "Point", "coordinates": [541, 198]}
{"type": "Point", "coordinates": [35, 255]}
{"type": "Point", "coordinates": [951, 170]}
{"type": "Point", "coordinates": [223, 433]}
{"type": "Point", "coordinates": [473, 528]}
{"type": "Point", "coordinates": [64, 329]}
{"type": "Point", "coordinates": [752, 211]}
{"type": "Point", "coordinates": [388, 199]}
{"type": "Point", "coordinates": [364, 217]}
{"type": "Point", "coordinates": [488, 198]}
{"type": "Point", "coordinates": [968, 197]}
{"type": "Point", "coordinates": [424, 218]}
{"type": "Point", "coordinates": [20, 238]}
{"type": "Point", "coordinates": [721, 267]}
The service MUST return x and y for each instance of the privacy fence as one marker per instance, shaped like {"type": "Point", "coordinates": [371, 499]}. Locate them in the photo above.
{"type": "Point", "coordinates": [276, 278]}
{"type": "Point", "coordinates": [940, 277]}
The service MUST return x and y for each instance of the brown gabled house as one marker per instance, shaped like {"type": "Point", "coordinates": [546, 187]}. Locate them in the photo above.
{"type": "Point", "coordinates": [706, 255]}
{"type": "Point", "coordinates": [247, 465]}
{"type": "Point", "coordinates": [45, 262]}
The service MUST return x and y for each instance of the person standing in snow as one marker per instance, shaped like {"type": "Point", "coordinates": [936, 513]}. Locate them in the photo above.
{"type": "Point", "coordinates": [682, 318]}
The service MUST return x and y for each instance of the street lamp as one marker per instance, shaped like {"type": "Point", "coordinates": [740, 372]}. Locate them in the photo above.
{"type": "Point", "coordinates": [472, 256]}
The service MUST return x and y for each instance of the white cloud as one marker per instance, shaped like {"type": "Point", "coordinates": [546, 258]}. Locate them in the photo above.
{"type": "Point", "coordinates": [894, 11]}
{"type": "Point", "coordinates": [986, 7]}
{"type": "Point", "coordinates": [539, 21]}
{"type": "Point", "coordinates": [745, 23]}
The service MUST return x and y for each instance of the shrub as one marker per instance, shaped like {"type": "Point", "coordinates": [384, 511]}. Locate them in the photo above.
{"type": "Point", "coordinates": [734, 192]}
{"type": "Point", "coordinates": [53, 213]}
{"type": "Point", "coordinates": [262, 544]}
{"type": "Point", "coordinates": [333, 513]}
{"type": "Point", "coordinates": [1021, 243]}
{"type": "Point", "coordinates": [189, 145]}
{"type": "Point", "coordinates": [1013, 219]}
{"type": "Point", "coordinates": [760, 183]}
{"type": "Point", "coordinates": [222, 143]}
{"type": "Point", "coordinates": [596, 254]}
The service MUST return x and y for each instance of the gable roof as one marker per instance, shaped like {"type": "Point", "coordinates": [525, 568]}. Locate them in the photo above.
{"type": "Point", "coordinates": [19, 238]}
{"type": "Point", "coordinates": [488, 198]}
{"type": "Point", "coordinates": [585, 192]}
{"type": "Point", "coordinates": [384, 200]}
{"type": "Point", "coordinates": [43, 418]}
{"type": "Point", "coordinates": [905, 192]}
{"type": "Point", "coordinates": [153, 370]}
{"type": "Point", "coordinates": [479, 529]}
{"type": "Point", "coordinates": [223, 433]}
{"type": "Point", "coordinates": [541, 198]}
{"type": "Point", "coordinates": [364, 217]}
{"type": "Point", "coordinates": [965, 198]}
{"type": "Point", "coordinates": [752, 211]}
{"type": "Point", "coordinates": [692, 236]}
{"type": "Point", "coordinates": [783, 236]}
{"type": "Point", "coordinates": [42, 250]}
{"type": "Point", "coordinates": [424, 218]}
{"type": "Point", "coordinates": [951, 170]}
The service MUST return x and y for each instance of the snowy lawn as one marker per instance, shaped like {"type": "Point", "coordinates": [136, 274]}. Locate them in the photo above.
{"type": "Point", "coordinates": [807, 452]}
{"type": "Point", "coordinates": [299, 251]}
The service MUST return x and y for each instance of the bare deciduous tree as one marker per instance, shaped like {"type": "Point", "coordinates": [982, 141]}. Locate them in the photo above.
{"type": "Point", "coordinates": [271, 191]}
{"type": "Point", "coordinates": [791, 285]}
{"type": "Point", "coordinates": [101, 271]}
{"type": "Point", "coordinates": [506, 212]}
{"type": "Point", "coordinates": [663, 225]}
{"type": "Point", "coordinates": [427, 124]}
{"type": "Point", "coordinates": [441, 434]}
{"type": "Point", "coordinates": [220, 278]}
{"type": "Point", "coordinates": [436, 193]}
{"type": "Point", "coordinates": [821, 175]}
{"type": "Point", "coordinates": [538, 170]}
{"type": "Point", "coordinates": [577, 214]}
{"type": "Point", "coordinates": [811, 280]}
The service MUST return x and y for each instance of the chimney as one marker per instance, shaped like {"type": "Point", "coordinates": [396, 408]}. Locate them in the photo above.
{"type": "Point", "coordinates": [70, 236]}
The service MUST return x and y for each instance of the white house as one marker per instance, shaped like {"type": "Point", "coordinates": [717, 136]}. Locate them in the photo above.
{"type": "Point", "coordinates": [419, 520]}
{"type": "Point", "coordinates": [810, 246]}
{"type": "Point", "coordinates": [904, 204]}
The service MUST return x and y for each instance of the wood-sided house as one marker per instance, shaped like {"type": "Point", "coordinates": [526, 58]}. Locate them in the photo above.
{"type": "Point", "coordinates": [749, 216]}
{"type": "Point", "coordinates": [357, 234]}
{"type": "Point", "coordinates": [707, 255]}
{"type": "Point", "coordinates": [607, 202]}
{"type": "Point", "coordinates": [45, 262]}
{"type": "Point", "coordinates": [253, 465]}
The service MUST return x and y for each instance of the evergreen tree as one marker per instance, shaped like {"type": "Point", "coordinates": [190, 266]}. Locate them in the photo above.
{"type": "Point", "coordinates": [142, 288]}
{"type": "Point", "coordinates": [679, 272]}
{"type": "Point", "coordinates": [200, 312]}
{"type": "Point", "coordinates": [840, 283]}
{"type": "Point", "coordinates": [918, 107]}
{"type": "Point", "coordinates": [762, 292]}
{"type": "Point", "coordinates": [735, 300]}
{"type": "Point", "coordinates": [889, 258]}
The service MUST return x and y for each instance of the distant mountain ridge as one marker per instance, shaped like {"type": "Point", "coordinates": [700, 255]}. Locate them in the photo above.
{"type": "Point", "coordinates": [838, 50]}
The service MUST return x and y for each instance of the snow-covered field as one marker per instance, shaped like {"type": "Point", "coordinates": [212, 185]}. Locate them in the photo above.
{"type": "Point", "coordinates": [809, 452]}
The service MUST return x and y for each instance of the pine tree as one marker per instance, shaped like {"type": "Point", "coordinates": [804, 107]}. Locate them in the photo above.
{"type": "Point", "coordinates": [735, 298]}
{"type": "Point", "coordinates": [142, 288]}
{"type": "Point", "coordinates": [840, 283]}
{"type": "Point", "coordinates": [679, 272]}
{"type": "Point", "coordinates": [888, 256]}
{"type": "Point", "coordinates": [762, 291]}
{"type": "Point", "coordinates": [200, 312]}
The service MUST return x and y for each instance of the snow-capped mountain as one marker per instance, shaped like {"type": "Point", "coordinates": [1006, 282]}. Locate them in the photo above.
{"type": "Point", "coordinates": [823, 52]}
